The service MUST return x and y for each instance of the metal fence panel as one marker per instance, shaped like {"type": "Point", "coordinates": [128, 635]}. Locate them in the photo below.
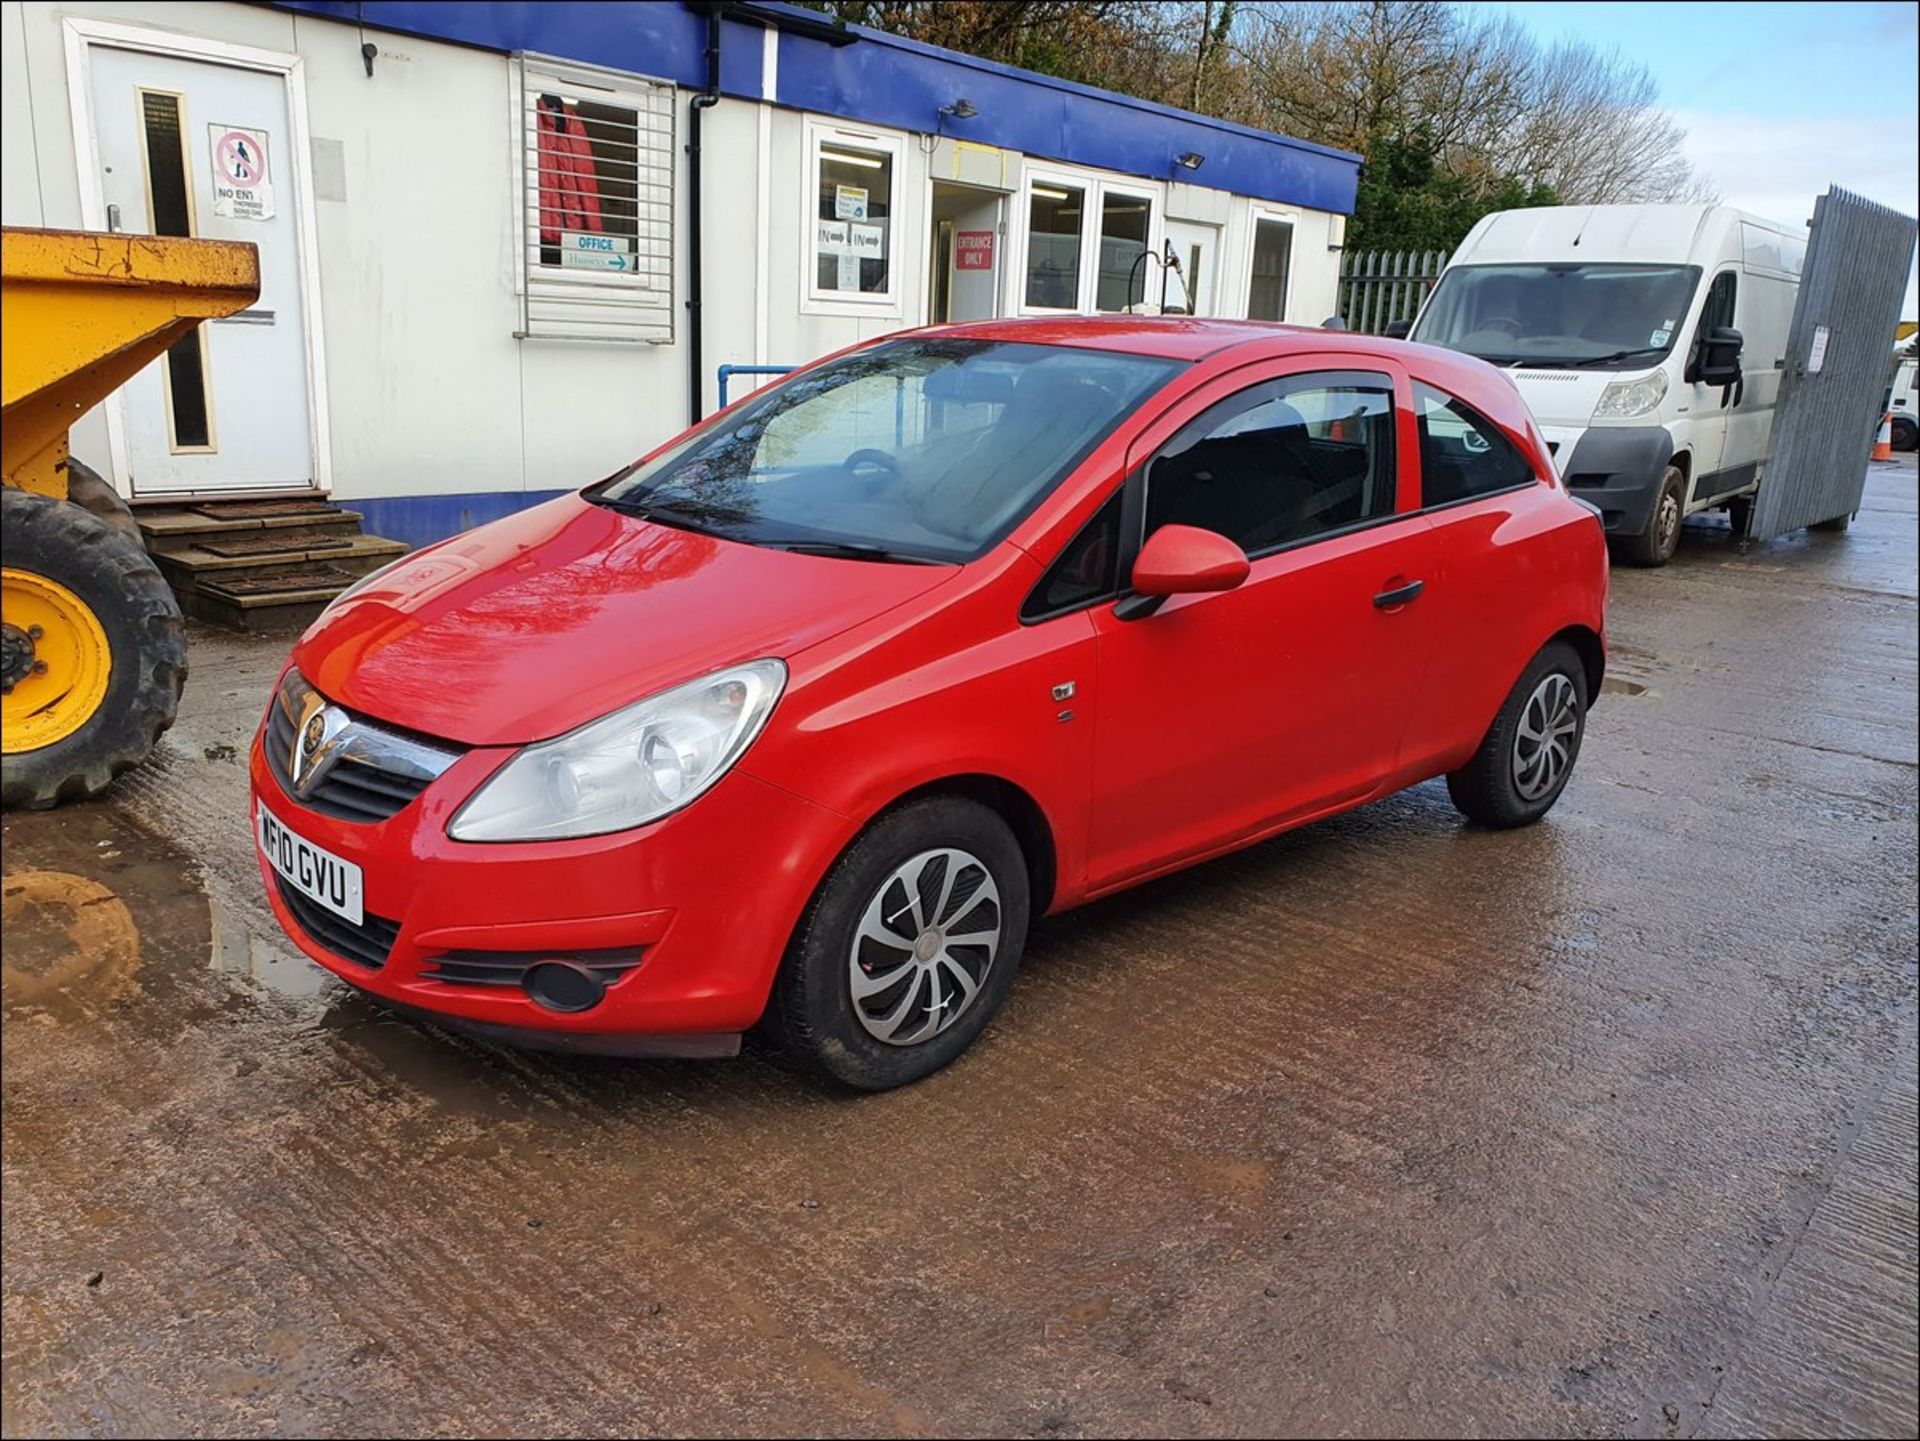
{"type": "Point", "coordinates": [1378, 287]}
{"type": "Point", "coordinates": [1836, 365]}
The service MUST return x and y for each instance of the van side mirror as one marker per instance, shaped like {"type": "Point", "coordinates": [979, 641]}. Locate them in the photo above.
{"type": "Point", "coordinates": [1182, 560]}
{"type": "Point", "coordinates": [1720, 356]}
{"type": "Point", "coordinates": [1398, 329]}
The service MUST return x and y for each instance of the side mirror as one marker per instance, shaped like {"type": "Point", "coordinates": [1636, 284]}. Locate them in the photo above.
{"type": "Point", "coordinates": [1720, 356]}
{"type": "Point", "coordinates": [1181, 560]}
{"type": "Point", "coordinates": [1398, 329]}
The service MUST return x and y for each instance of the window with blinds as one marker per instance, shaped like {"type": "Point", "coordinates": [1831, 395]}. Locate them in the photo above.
{"type": "Point", "coordinates": [597, 166]}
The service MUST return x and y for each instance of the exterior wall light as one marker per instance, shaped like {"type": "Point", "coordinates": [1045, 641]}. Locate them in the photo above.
{"type": "Point", "coordinates": [1192, 160]}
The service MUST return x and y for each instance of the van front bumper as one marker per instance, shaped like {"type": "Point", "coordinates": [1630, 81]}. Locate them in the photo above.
{"type": "Point", "coordinates": [1618, 470]}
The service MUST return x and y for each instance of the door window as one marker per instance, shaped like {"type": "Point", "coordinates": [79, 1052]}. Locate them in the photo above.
{"type": "Point", "coordinates": [1055, 216]}
{"type": "Point", "coordinates": [1717, 311]}
{"type": "Point", "coordinates": [1462, 454]}
{"type": "Point", "coordinates": [1125, 221]}
{"type": "Point", "coordinates": [170, 212]}
{"type": "Point", "coordinates": [1272, 258]}
{"type": "Point", "coordinates": [1281, 462]}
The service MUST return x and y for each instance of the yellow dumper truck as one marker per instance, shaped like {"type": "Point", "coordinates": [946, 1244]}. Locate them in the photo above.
{"type": "Point", "coordinates": [93, 651]}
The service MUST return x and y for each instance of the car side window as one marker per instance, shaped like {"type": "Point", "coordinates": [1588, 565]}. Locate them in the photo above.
{"type": "Point", "coordinates": [1085, 572]}
{"type": "Point", "coordinates": [1462, 454]}
{"type": "Point", "coordinates": [1281, 462]}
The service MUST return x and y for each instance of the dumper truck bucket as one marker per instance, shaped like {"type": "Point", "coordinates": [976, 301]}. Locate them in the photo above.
{"type": "Point", "coordinates": [82, 313]}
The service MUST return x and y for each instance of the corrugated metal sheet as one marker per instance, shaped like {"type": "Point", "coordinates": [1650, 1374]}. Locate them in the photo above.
{"type": "Point", "coordinates": [1836, 366]}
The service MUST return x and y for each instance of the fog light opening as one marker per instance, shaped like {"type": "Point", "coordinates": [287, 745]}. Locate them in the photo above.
{"type": "Point", "coordinates": [563, 986]}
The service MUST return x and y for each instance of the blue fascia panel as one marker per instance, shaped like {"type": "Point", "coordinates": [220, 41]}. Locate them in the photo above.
{"type": "Point", "coordinates": [886, 80]}
{"type": "Point", "coordinates": [419, 520]}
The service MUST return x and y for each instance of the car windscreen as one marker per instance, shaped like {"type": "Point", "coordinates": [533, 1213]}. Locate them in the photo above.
{"type": "Point", "coordinates": [1553, 315]}
{"type": "Point", "coordinates": [926, 449]}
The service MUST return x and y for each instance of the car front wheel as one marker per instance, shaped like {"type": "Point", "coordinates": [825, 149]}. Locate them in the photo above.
{"type": "Point", "coordinates": [1528, 752]}
{"type": "Point", "coordinates": [908, 948]}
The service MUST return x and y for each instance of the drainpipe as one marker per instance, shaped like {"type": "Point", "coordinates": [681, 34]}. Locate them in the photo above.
{"type": "Point", "coordinates": [700, 104]}
{"type": "Point", "coordinates": [790, 20]}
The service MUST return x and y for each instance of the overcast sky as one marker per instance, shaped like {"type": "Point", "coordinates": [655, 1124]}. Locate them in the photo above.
{"type": "Point", "coordinates": [1779, 101]}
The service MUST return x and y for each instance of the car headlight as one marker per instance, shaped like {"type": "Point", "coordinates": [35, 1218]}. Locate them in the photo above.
{"type": "Point", "coordinates": [1632, 397]}
{"type": "Point", "coordinates": [636, 765]}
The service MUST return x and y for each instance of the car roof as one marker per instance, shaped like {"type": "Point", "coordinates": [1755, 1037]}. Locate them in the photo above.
{"type": "Point", "coordinates": [1174, 337]}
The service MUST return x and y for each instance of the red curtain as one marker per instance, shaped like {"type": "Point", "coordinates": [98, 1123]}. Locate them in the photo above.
{"type": "Point", "coordinates": [569, 188]}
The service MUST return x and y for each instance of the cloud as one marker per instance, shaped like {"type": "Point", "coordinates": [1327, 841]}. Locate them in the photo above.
{"type": "Point", "coordinates": [1775, 165]}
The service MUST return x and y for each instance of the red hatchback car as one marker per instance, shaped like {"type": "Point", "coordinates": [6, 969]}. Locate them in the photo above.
{"type": "Point", "coordinates": [803, 718]}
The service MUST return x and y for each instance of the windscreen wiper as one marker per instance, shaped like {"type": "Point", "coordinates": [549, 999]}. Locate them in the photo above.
{"type": "Point", "coordinates": [849, 550]}
{"type": "Point", "coordinates": [657, 514]}
{"type": "Point", "coordinates": [1602, 359]}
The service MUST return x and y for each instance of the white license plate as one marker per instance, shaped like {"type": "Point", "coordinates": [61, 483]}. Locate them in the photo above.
{"type": "Point", "coordinates": [313, 871]}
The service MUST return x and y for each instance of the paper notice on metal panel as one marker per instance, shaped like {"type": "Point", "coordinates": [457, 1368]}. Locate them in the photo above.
{"type": "Point", "coordinates": [1817, 352]}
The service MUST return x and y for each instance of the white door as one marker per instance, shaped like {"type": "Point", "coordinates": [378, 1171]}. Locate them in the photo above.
{"type": "Point", "coordinates": [187, 147]}
{"type": "Point", "coordinates": [1197, 248]}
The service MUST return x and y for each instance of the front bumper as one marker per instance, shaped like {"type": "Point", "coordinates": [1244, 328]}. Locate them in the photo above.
{"type": "Point", "coordinates": [1617, 470]}
{"type": "Point", "coordinates": [708, 897]}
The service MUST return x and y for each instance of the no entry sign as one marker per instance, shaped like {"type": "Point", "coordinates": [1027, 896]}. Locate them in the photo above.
{"type": "Point", "coordinates": [242, 181]}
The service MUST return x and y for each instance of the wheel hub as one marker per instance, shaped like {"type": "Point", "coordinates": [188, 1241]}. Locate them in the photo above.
{"type": "Point", "coordinates": [1543, 741]}
{"type": "Point", "coordinates": [17, 659]}
{"type": "Point", "coordinates": [924, 945]}
{"type": "Point", "coordinates": [54, 661]}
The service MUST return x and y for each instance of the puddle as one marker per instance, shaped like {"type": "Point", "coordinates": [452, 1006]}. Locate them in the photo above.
{"type": "Point", "coordinates": [72, 948]}
{"type": "Point", "coordinates": [103, 918]}
{"type": "Point", "coordinates": [1614, 685]}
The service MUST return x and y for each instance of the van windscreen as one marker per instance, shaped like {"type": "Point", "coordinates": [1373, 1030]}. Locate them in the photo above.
{"type": "Point", "coordinates": [1603, 316]}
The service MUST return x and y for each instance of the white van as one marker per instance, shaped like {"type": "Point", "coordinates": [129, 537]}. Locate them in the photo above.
{"type": "Point", "coordinates": [1903, 404]}
{"type": "Point", "coordinates": [1648, 341]}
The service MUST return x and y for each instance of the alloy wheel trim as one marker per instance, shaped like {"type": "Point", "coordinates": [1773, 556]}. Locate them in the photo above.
{"type": "Point", "coordinates": [924, 946]}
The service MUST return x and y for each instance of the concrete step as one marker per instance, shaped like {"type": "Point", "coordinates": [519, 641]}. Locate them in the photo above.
{"type": "Point", "coordinates": [261, 565]}
{"type": "Point", "coordinates": [163, 525]}
{"type": "Point", "coordinates": [239, 555]}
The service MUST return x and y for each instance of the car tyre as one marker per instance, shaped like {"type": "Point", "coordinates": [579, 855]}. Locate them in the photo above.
{"type": "Point", "coordinates": [1507, 784]}
{"type": "Point", "coordinates": [1655, 545]}
{"type": "Point", "coordinates": [863, 931]}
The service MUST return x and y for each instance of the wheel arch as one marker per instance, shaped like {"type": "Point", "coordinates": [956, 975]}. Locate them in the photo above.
{"type": "Point", "coordinates": [1014, 805]}
{"type": "Point", "coordinates": [1592, 651]}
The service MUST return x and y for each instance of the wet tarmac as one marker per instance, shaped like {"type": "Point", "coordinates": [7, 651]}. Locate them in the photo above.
{"type": "Point", "coordinates": [1385, 1127]}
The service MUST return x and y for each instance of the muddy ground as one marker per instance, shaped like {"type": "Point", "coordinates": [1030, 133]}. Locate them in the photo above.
{"type": "Point", "coordinates": [1387, 1126]}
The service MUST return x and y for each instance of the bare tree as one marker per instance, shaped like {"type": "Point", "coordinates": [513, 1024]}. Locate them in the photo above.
{"type": "Point", "coordinates": [1493, 103]}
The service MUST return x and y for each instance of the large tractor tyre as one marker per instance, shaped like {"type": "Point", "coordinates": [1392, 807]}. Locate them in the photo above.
{"type": "Point", "coordinates": [93, 652]}
{"type": "Point", "coordinates": [87, 489]}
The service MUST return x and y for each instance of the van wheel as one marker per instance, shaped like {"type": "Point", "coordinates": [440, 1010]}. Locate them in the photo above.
{"type": "Point", "coordinates": [1834, 526]}
{"type": "Point", "coordinates": [1906, 432]}
{"type": "Point", "coordinates": [1655, 545]}
{"type": "Point", "coordinates": [1529, 750]}
{"type": "Point", "coordinates": [908, 948]}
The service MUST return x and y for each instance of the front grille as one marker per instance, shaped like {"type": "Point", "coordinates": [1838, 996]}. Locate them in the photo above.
{"type": "Point", "coordinates": [354, 787]}
{"type": "Point", "coordinates": [367, 944]}
{"type": "Point", "coordinates": [509, 968]}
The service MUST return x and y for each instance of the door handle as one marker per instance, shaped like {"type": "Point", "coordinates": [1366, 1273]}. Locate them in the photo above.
{"type": "Point", "coordinates": [1399, 595]}
{"type": "Point", "coordinates": [113, 218]}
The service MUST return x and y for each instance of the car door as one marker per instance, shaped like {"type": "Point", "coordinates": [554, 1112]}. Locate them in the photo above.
{"type": "Point", "coordinates": [1224, 715]}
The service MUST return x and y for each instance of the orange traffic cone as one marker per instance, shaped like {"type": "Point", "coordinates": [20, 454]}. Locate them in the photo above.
{"type": "Point", "coordinates": [1883, 440]}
